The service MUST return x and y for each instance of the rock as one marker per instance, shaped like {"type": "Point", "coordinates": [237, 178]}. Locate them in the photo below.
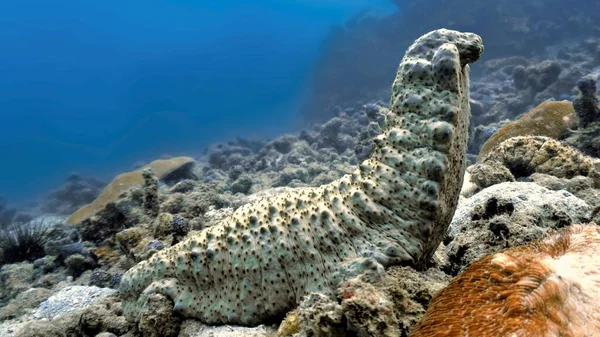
{"type": "Point", "coordinates": [70, 299]}
{"type": "Point", "coordinates": [103, 316]}
{"type": "Point", "coordinates": [14, 279]}
{"type": "Point", "coordinates": [40, 329]}
{"type": "Point", "coordinates": [192, 328]}
{"type": "Point", "coordinates": [484, 175]}
{"type": "Point", "coordinates": [410, 292]}
{"type": "Point", "coordinates": [77, 264]}
{"type": "Point", "coordinates": [157, 318]}
{"type": "Point", "coordinates": [507, 215]}
{"type": "Point", "coordinates": [523, 156]}
{"type": "Point", "coordinates": [27, 300]}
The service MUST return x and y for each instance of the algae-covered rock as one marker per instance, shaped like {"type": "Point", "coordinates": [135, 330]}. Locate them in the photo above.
{"type": "Point", "coordinates": [132, 241]}
{"type": "Point", "coordinates": [317, 315]}
{"type": "Point", "coordinates": [508, 215]}
{"type": "Point", "coordinates": [103, 316]}
{"type": "Point", "coordinates": [485, 175]}
{"type": "Point", "coordinates": [157, 319]}
{"type": "Point", "coordinates": [367, 306]}
{"type": "Point", "coordinates": [41, 329]}
{"type": "Point", "coordinates": [88, 312]}
{"type": "Point", "coordinates": [24, 302]}
{"type": "Point", "coordinates": [410, 292]}
{"type": "Point", "coordinates": [162, 226]}
{"type": "Point", "coordinates": [523, 156]}
{"type": "Point", "coordinates": [77, 264]}
{"type": "Point", "coordinates": [369, 311]}
{"type": "Point", "coordinates": [14, 279]}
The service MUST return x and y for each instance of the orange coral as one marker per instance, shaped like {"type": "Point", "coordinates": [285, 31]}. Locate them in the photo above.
{"type": "Point", "coordinates": [548, 288]}
{"type": "Point", "coordinates": [161, 168]}
{"type": "Point", "coordinates": [550, 119]}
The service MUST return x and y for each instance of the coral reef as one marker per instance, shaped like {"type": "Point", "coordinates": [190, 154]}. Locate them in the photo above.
{"type": "Point", "coordinates": [151, 203]}
{"type": "Point", "coordinates": [523, 156]}
{"type": "Point", "coordinates": [24, 302]}
{"type": "Point", "coordinates": [500, 90]}
{"type": "Point", "coordinates": [157, 318]}
{"type": "Point", "coordinates": [14, 279]}
{"type": "Point", "coordinates": [102, 316]}
{"type": "Point", "coordinates": [365, 311]}
{"type": "Point", "coordinates": [587, 107]}
{"type": "Point", "coordinates": [9, 215]}
{"type": "Point", "coordinates": [164, 169]}
{"type": "Point", "coordinates": [315, 156]}
{"type": "Point", "coordinates": [260, 262]}
{"type": "Point", "coordinates": [105, 223]}
{"type": "Point", "coordinates": [536, 31]}
{"type": "Point", "coordinates": [547, 162]}
{"type": "Point", "coordinates": [550, 119]}
{"type": "Point", "coordinates": [73, 311]}
{"type": "Point", "coordinates": [536, 78]}
{"type": "Point", "coordinates": [410, 292]}
{"type": "Point", "coordinates": [546, 288]}
{"type": "Point", "coordinates": [586, 103]}
{"type": "Point", "coordinates": [76, 192]}
{"type": "Point", "coordinates": [253, 230]}
{"type": "Point", "coordinates": [373, 303]}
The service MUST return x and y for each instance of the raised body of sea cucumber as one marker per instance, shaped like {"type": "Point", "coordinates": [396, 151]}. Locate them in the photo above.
{"type": "Point", "coordinates": [395, 207]}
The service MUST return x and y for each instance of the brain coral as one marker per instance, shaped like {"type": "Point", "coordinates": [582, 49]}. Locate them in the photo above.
{"type": "Point", "coordinates": [161, 168]}
{"type": "Point", "coordinates": [395, 207]}
{"type": "Point", "coordinates": [550, 119]}
{"type": "Point", "coordinates": [547, 288]}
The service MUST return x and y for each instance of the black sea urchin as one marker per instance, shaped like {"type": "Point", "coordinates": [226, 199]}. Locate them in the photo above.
{"type": "Point", "coordinates": [22, 243]}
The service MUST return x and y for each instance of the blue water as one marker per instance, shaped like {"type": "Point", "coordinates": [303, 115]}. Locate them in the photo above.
{"type": "Point", "coordinates": [95, 86]}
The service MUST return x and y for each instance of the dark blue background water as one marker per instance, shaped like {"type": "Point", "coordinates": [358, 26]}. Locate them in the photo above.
{"type": "Point", "coordinates": [94, 86]}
